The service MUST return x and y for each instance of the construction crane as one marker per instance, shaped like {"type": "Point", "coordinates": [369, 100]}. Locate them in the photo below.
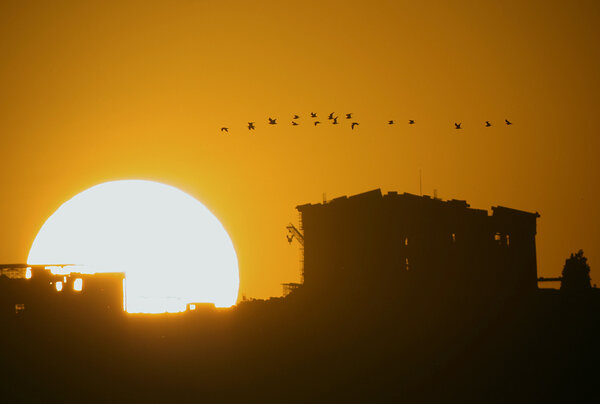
{"type": "Point", "coordinates": [293, 232]}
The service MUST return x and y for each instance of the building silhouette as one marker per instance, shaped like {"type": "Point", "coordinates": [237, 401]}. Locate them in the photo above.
{"type": "Point", "coordinates": [363, 246]}
{"type": "Point", "coordinates": [331, 339]}
{"type": "Point", "coordinates": [369, 243]}
{"type": "Point", "coordinates": [47, 290]}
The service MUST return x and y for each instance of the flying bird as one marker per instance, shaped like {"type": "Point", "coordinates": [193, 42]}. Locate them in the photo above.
{"type": "Point", "coordinates": [457, 125]}
{"type": "Point", "coordinates": [487, 124]}
{"type": "Point", "coordinates": [296, 117]}
{"type": "Point", "coordinates": [391, 122]}
{"type": "Point", "coordinates": [508, 122]}
{"type": "Point", "coordinates": [317, 122]}
{"type": "Point", "coordinates": [411, 121]}
{"type": "Point", "coordinates": [251, 126]}
{"type": "Point", "coordinates": [289, 238]}
{"type": "Point", "coordinates": [335, 122]}
{"type": "Point", "coordinates": [272, 121]}
{"type": "Point", "coordinates": [294, 123]}
{"type": "Point", "coordinates": [349, 116]}
{"type": "Point", "coordinates": [330, 116]}
{"type": "Point", "coordinates": [354, 124]}
{"type": "Point", "coordinates": [313, 114]}
{"type": "Point", "coordinates": [224, 129]}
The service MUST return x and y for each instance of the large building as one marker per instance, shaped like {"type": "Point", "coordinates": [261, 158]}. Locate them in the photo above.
{"type": "Point", "coordinates": [371, 242]}
{"type": "Point", "coordinates": [37, 290]}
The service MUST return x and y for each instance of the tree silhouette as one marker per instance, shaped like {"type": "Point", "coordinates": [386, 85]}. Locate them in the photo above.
{"type": "Point", "coordinates": [576, 273]}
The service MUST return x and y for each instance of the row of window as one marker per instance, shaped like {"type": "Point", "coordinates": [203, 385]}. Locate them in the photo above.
{"type": "Point", "coordinates": [77, 284]}
{"type": "Point", "coordinates": [497, 237]}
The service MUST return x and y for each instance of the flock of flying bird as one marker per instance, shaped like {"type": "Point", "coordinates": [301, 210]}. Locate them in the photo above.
{"type": "Point", "coordinates": [334, 121]}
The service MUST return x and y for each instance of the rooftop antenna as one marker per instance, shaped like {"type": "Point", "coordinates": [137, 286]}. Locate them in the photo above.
{"type": "Point", "coordinates": [324, 198]}
{"type": "Point", "coordinates": [420, 183]}
{"type": "Point", "coordinates": [435, 194]}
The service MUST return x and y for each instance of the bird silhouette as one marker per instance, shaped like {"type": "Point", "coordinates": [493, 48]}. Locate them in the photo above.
{"type": "Point", "coordinates": [335, 122]}
{"type": "Point", "coordinates": [411, 121]}
{"type": "Point", "coordinates": [354, 124]}
{"type": "Point", "coordinates": [313, 114]}
{"type": "Point", "coordinates": [224, 129]}
{"type": "Point", "coordinates": [272, 121]}
{"type": "Point", "coordinates": [330, 116]}
{"type": "Point", "coordinates": [294, 123]}
{"type": "Point", "coordinates": [296, 117]}
{"type": "Point", "coordinates": [349, 116]}
{"type": "Point", "coordinates": [290, 237]}
{"type": "Point", "coordinates": [457, 125]}
{"type": "Point", "coordinates": [317, 122]}
{"type": "Point", "coordinates": [487, 124]}
{"type": "Point", "coordinates": [508, 122]}
{"type": "Point", "coordinates": [251, 126]}
{"type": "Point", "coordinates": [391, 122]}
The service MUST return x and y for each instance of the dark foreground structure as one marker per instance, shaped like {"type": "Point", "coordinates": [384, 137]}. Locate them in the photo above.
{"type": "Point", "coordinates": [367, 242]}
{"type": "Point", "coordinates": [469, 327]}
{"type": "Point", "coordinates": [46, 290]}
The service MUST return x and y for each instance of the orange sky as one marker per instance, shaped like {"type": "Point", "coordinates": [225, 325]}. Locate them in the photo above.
{"type": "Point", "coordinates": [98, 91]}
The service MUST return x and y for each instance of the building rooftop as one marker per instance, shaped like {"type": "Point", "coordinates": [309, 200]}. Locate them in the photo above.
{"type": "Point", "coordinates": [376, 194]}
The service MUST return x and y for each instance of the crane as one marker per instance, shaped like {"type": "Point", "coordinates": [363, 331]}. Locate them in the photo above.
{"type": "Point", "coordinates": [294, 232]}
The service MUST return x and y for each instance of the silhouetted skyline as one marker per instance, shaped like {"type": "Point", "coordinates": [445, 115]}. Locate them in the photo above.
{"type": "Point", "coordinates": [361, 328]}
{"type": "Point", "coordinates": [251, 108]}
{"type": "Point", "coordinates": [143, 92]}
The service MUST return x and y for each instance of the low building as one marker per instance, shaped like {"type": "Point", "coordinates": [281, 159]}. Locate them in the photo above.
{"type": "Point", "coordinates": [52, 290]}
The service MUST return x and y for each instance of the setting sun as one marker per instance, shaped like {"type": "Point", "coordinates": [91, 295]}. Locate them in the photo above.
{"type": "Point", "coordinates": [172, 249]}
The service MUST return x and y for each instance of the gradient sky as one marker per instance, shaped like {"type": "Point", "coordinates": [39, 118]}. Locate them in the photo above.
{"type": "Point", "coordinates": [97, 91]}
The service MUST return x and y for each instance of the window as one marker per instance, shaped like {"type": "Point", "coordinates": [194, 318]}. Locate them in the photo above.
{"type": "Point", "coordinates": [28, 273]}
{"type": "Point", "coordinates": [507, 240]}
{"type": "Point", "coordinates": [454, 237]}
{"type": "Point", "coordinates": [59, 286]}
{"type": "Point", "coordinates": [19, 308]}
{"type": "Point", "coordinates": [406, 266]}
{"type": "Point", "coordinates": [497, 237]}
{"type": "Point", "coordinates": [405, 240]}
{"type": "Point", "coordinates": [78, 285]}
{"type": "Point", "coordinates": [192, 307]}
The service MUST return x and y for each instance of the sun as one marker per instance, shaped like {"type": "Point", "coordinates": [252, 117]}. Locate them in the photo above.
{"type": "Point", "coordinates": [172, 249]}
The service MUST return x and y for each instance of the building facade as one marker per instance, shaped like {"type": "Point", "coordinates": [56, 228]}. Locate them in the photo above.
{"type": "Point", "coordinates": [370, 241]}
{"type": "Point", "coordinates": [31, 290]}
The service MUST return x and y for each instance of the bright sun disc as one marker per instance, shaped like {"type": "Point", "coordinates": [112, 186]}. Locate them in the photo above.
{"type": "Point", "coordinates": [172, 249]}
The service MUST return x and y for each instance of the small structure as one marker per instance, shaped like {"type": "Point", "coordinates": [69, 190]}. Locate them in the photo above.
{"type": "Point", "coordinates": [201, 307]}
{"type": "Point", "coordinates": [290, 287]}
